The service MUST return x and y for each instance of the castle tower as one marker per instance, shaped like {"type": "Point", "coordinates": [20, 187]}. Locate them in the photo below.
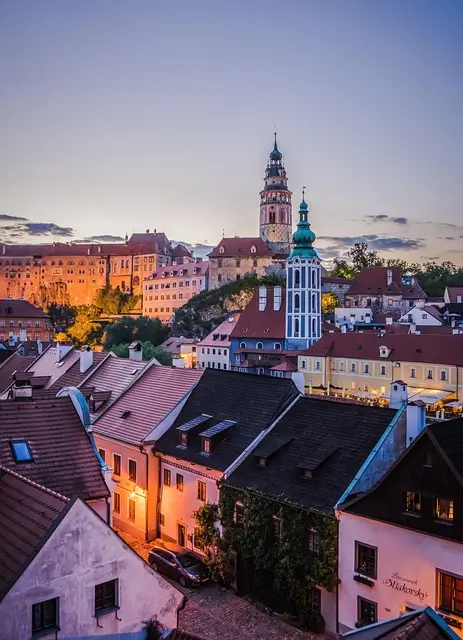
{"type": "Point", "coordinates": [275, 206]}
{"type": "Point", "coordinates": [303, 287]}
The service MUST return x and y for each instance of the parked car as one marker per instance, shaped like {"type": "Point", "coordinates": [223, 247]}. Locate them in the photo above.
{"type": "Point", "coordinates": [184, 566]}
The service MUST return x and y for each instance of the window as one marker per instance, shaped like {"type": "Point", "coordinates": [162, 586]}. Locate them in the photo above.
{"type": "Point", "coordinates": [444, 509]}
{"type": "Point", "coordinates": [389, 303]}
{"type": "Point", "coordinates": [367, 612]}
{"type": "Point", "coordinates": [450, 593]}
{"type": "Point", "coordinates": [429, 374]}
{"type": "Point", "coordinates": [443, 375]}
{"type": "Point", "coordinates": [317, 365]}
{"type": "Point", "coordinates": [365, 559]}
{"type": "Point", "coordinates": [132, 470]}
{"type": "Point", "coordinates": [259, 345]}
{"type": "Point", "coordinates": [353, 367]}
{"type": "Point", "coordinates": [314, 598]}
{"type": "Point", "coordinates": [45, 616]}
{"type": "Point", "coordinates": [179, 480]}
{"type": "Point", "coordinates": [102, 453]}
{"type": "Point", "coordinates": [206, 444]}
{"type": "Point", "coordinates": [117, 502]}
{"type": "Point", "coordinates": [167, 477]}
{"type": "Point", "coordinates": [366, 368]}
{"type": "Point", "coordinates": [277, 528]}
{"type": "Point", "coordinates": [105, 596]}
{"type": "Point", "coordinates": [132, 510]}
{"type": "Point", "coordinates": [314, 542]}
{"type": "Point", "coordinates": [412, 502]}
{"type": "Point", "coordinates": [383, 370]}
{"type": "Point", "coordinates": [162, 520]}
{"type": "Point", "coordinates": [116, 464]}
{"type": "Point", "coordinates": [240, 513]}
{"type": "Point", "coordinates": [21, 451]}
{"type": "Point", "coordinates": [412, 373]}
{"type": "Point", "coordinates": [182, 438]}
{"type": "Point", "coordinates": [201, 491]}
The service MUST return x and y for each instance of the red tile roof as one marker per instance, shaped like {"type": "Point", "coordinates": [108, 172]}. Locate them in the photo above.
{"type": "Point", "coordinates": [285, 366]}
{"type": "Point", "coordinates": [64, 459]}
{"type": "Point", "coordinates": [148, 400]}
{"type": "Point", "coordinates": [189, 269]}
{"type": "Point", "coordinates": [20, 309]}
{"type": "Point", "coordinates": [373, 281]}
{"type": "Point", "coordinates": [15, 362]}
{"type": "Point", "coordinates": [453, 292]}
{"type": "Point", "coordinates": [73, 377]}
{"type": "Point", "coordinates": [181, 251]}
{"type": "Point", "coordinates": [262, 324]}
{"type": "Point", "coordinates": [28, 513]}
{"type": "Point", "coordinates": [236, 247]}
{"type": "Point", "coordinates": [424, 348]}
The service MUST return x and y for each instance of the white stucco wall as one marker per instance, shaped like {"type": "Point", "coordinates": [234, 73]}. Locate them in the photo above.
{"type": "Point", "coordinates": [215, 357]}
{"type": "Point", "coordinates": [413, 556]}
{"type": "Point", "coordinates": [178, 506]}
{"type": "Point", "coordinates": [81, 553]}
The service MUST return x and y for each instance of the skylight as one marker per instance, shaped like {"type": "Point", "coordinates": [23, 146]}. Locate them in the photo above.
{"type": "Point", "coordinates": [21, 451]}
{"type": "Point", "coordinates": [125, 414]}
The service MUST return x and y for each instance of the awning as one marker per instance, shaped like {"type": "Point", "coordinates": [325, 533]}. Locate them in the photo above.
{"type": "Point", "coordinates": [455, 403]}
{"type": "Point", "coordinates": [428, 396]}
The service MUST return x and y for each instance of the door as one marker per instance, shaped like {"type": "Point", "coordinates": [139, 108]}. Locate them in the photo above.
{"type": "Point", "coordinates": [181, 535]}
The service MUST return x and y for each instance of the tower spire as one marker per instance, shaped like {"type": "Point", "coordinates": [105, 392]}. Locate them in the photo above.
{"type": "Point", "coordinates": [303, 236]}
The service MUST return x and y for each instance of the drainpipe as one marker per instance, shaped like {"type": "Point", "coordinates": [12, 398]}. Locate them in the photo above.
{"type": "Point", "coordinates": [159, 497]}
{"type": "Point", "coordinates": [337, 584]}
{"type": "Point", "coordinates": [142, 451]}
{"type": "Point", "coordinates": [108, 512]}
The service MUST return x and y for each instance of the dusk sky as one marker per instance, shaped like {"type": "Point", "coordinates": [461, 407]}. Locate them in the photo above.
{"type": "Point", "coordinates": [119, 116]}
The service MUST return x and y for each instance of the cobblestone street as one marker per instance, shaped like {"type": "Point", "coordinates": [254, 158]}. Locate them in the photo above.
{"type": "Point", "coordinates": [213, 612]}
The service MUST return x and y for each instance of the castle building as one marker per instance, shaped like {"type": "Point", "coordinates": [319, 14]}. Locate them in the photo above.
{"type": "Point", "coordinates": [275, 206]}
{"type": "Point", "coordinates": [303, 287]}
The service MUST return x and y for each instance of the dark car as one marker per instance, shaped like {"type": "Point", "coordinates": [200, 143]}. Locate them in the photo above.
{"type": "Point", "coordinates": [184, 566]}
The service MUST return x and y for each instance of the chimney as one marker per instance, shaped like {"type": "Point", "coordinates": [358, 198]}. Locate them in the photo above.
{"type": "Point", "coordinates": [21, 393]}
{"type": "Point", "coordinates": [135, 352]}
{"type": "Point", "coordinates": [416, 420]}
{"type": "Point", "coordinates": [389, 277]}
{"type": "Point", "coordinates": [22, 335]}
{"type": "Point", "coordinates": [86, 359]}
{"type": "Point", "coordinates": [398, 395]}
{"type": "Point", "coordinates": [59, 352]}
{"type": "Point", "coordinates": [179, 363]}
{"type": "Point", "coordinates": [262, 298]}
{"type": "Point", "coordinates": [344, 328]}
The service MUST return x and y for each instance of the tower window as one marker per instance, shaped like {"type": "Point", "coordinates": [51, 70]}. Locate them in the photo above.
{"type": "Point", "coordinates": [297, 278]}
{"type": "Point", "coordinates": [297, 302]}
{"type": "Point", "coordinates": [296, 327]}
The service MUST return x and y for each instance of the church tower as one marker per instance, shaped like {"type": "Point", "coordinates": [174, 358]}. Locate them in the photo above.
{"type": "Point", "coordinates": [275, 206]}
{"type": "Point", "coordinates": [303, 287]}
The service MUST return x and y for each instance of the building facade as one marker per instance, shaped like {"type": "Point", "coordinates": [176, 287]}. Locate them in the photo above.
{"type": "Point", "coordinates": [234, 258]}
{"type": "Point", "coordinates": [20, 321]}
{"type": "Point", "coordinates": [214, 350]}
{"type": "Point", "coordinates": [275, 206]}
{"type": "Point", "coordinates": [167, 289]}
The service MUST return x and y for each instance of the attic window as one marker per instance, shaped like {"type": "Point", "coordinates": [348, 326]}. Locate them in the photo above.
{"type": "Point", "coordinates": [215, 336]}
{"type": "Point", "coordinates": [222, 250]}
{"type": "Point", "coordinates": [182, 439]}
{"type": "Point", "coordinates": [307, 473]}
{"type": "Point", "coordinates": [253, 249]}
{"type": "Point", "coordinates": [206, 445]}
{"type": "Point", "coordinates": [21, 451]}
{"type": "Point", "coordinates": [125, 414]}
{"type": "Point", "coordinates": [262, 462]}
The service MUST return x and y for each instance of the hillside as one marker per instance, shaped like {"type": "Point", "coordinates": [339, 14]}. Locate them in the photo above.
{"type": "Point", "coordinates": [205, 311]}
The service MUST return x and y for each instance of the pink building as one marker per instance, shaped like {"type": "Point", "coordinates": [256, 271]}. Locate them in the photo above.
{"type": "Point", "coordinates": [214, 350]}
{"type": "Point", "coordinates": [171, 287]}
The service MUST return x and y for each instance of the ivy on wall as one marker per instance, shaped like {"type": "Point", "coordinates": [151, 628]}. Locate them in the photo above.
{"type": "Point", "coordinates": [277, 572]}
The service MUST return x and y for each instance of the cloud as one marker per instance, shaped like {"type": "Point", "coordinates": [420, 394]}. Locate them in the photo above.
{"type": "Point", "coordinates": [104, 238]}
{"type": "Point", "coordinates": [7, 217]}
{"type": "Point", "coordinates": [383, 217]}
{"type": "Point", "coordinates": [378, 243]}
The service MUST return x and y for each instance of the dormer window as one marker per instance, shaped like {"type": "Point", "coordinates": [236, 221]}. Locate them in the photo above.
{"type": "Point", "coordinates": [222, 250]}
{"type": "Point", "coordinates": [183, 438]}
{"type": "Point", "coordinates": [307, 473]}
{"type": "Point", "coordinates": [205, 445]}
{"type": "Point", "coordinates": [262, 462]}
{"type": "Point", "coordinates": [253, 249]}
{"type": "Point", "coordinates": [384, 352]}
{"type": "Point", "coordinates": [21, 451]}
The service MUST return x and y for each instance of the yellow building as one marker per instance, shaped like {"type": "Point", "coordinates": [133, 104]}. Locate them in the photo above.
{"type": "Point", "coordinates": [364, 365]}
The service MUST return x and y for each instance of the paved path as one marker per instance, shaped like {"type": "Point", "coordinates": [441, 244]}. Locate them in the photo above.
{"type": "Point", "coordinates": [213, 612]}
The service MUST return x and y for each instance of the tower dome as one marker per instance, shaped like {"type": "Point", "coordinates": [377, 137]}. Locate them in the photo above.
{"type": "Point", "coordinates": [303, 236]}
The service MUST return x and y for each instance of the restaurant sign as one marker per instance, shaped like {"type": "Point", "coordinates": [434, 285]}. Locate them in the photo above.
{"type": "Point", "coordinates": [406, 585]}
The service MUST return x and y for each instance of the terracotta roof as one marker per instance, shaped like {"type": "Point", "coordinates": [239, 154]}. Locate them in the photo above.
{"type": "Point", "coordinates": [453, 292]}
{"type": "Point", "coordinates": [187, 270]}
{"type": "Point", "coordinates": [236, 247]}
{"type": "Point", "coordinates": [333, 280]}
{"type": "Point", "coordinates": [173, 345]}
{"type": "Point", "coordinates": [220, 336]}
{"type": "Point", "coordinates": [285, 366]}
{"type": "Point", "coordinates": [150, 243]}
{"type": "Point", "coordinates": [181, 251]}
{"type": "Point", "coordinates": [425, 348]}
{"type": "Point", "coordinates": [15, 362]}
{"type": "Point", "coordinates": [373, 281]}
{"type": "Point", "coordinates": [28, 513]}
{"type": "Point", "coordinates": [251, 402]}
{"type": "Point", "coordinates": [20, 309]}
{"type": "Point", "coordinates": [330, 439]}
{"type": "Point", "coordinates": [147, 401]}
{"type": "Point", "coordinates": [262, 324]}
{"type": "Point", "coordinates": [64, 459]}
{"type": "Point", "coordinates": [73, 377]}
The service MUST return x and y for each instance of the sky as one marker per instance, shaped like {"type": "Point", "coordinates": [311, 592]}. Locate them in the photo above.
{"type": "Point", "coordinates": [121, 116]}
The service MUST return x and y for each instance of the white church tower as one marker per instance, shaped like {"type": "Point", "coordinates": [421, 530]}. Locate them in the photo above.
{"type": "Point", "coordinates": [303, 287]}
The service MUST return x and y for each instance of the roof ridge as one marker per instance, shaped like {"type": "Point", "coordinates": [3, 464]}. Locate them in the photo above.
{"type": "Point", "coordinates": [34, 484]}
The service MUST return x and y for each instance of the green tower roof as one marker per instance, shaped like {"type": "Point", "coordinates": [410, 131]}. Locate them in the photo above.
{"type": "Point", "coordinates": [303, 236]}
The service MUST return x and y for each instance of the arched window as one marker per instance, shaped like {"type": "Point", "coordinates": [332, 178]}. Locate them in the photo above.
{"type": "Point", "coordinates": [296, 327]}
{"type": "Point", "coordinates": [297, 302]}
{"type": "Point", "coordinates": [259, 345]}
{"type": "Point", "coordinates": [126, 264]}
{"type": "Point", "coordinates": [277, 345]}
{"type": "Point", "coordinates": [242, 345]}
{"type": "Point", "coordinates": [136, 281]}
{"type": "Point", "coordinates": [314, 303]}
{"type": "Point", "coordinates": [314, 278]}
{"type": "Point", "coordinates": [297, 278]}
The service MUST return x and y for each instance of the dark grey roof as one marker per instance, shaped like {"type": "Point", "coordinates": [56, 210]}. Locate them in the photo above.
{"type": "Point", "coordinates": [253, 402]}
{"type": "Point", "coordinates": [330, 439]}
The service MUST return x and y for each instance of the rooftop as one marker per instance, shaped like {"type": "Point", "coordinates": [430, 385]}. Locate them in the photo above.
{"type": "Point", "coordinates": [220, 336]}
{"type": "Point", "coordinates": [455, 294]}
{"type": "Point", "coordinates": [186, 270]}
{"type": "Point", "coordinates": [373, 281]}
{"type": "Point", "coordinates": [240, 247]}
{"type": "Point", "coordinates": [73, 377]}
{"type": "Point", "coordinates": [251, 402]}
{"type": "Point", "coordinates": [15, 363]}
{"type": "Point", "coordinates": [314, 452]}
{"type": "Point", "coordinates": [145, 403]}
{"type": "Point", "coordinates": [20, 309]}
{"type": "Point", "coordinates": [259, 320]}
{"type": "Point", "coordinates": [63, 458]}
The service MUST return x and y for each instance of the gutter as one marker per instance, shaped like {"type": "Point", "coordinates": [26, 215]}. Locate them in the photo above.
{"type": "Point", "coordinates": [143, 452]}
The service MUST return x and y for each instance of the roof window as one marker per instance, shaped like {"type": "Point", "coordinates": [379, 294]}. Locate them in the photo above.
{"type": "Point", "coordinates": [21, 451]}
{"type": "Point", "coordinates": [125, 414]}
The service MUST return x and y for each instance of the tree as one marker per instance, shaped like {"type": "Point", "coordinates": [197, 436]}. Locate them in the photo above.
{"type": "Point", "coordinates": [361, 257]}
{"type": "Point", "coordinates": [61, 316]}
{"type": "Point", "coordinates": [128, 329]}
{"type": "Point", "coordinates": [53, 293]}
{"type": "Point", "coordinates": [342, 269]}
{"type": "Point", "coordinates": [112, 301]}
{"type": "Point", "coordinates": [149, 351]}
{"type": "Point", "coordinates": [85, 329]}
{"type": "Point", "coordinates": [329, 302]}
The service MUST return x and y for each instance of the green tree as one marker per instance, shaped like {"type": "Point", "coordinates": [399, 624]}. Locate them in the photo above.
{"type": "Point", "coordinates": [112, 301]}
{"type": "Point", "coordinates": [85, 329]}
{"type": "Point", "coordinates": [361, 257]}
{"type": "Point", "coordinates": [149, 351]}
{"type": "Point", "coordinates": [128, 329]}
{"type": "Point", "coordinates": [61, 316]}
{"type": "Point", "coordinates": [342, 269]}
{"type": "Point", "coordinates": [53, 293]}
